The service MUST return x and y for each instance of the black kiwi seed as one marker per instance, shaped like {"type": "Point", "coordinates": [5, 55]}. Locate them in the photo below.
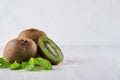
{"type": "Point", "coordinates": [50, 50]}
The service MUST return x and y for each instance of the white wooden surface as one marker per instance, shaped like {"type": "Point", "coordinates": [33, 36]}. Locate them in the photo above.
{"type": "Point", "coordinates": [81, 63]}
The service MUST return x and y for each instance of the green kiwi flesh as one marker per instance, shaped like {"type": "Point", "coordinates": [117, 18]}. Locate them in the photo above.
{"type": "Point", "coordinates": [50, 50]}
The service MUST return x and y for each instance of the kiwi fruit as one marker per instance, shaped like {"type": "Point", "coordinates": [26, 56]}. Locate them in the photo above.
{"type": "Point", "coordinates": [50, 50]}
{"type": "Point", "coordinates": [32, 33]}
{"type": "Point", "coordinates": [20, 49]}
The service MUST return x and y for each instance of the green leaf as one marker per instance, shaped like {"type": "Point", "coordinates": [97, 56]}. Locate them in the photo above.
{"type": "Point", "coordinates": [36, 64]}
{"type": "Point", "coordinates": [2, 60]}
{"type": "Point", "coordinates": [43, 63]}
{"type": "Point", "coordinates": [4, 64]}
{"type": "Point", "coordinates": [30, 65]}
{"type": "Point", "coordinates": [24, 64]}
{"type": "Point", "coordinates": [15, 66]}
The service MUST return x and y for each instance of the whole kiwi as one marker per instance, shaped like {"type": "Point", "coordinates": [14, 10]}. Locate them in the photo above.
{"type": "Point", "coordinates": [20, 49]}
{"type": "Point", "coordinates": [32, 33]}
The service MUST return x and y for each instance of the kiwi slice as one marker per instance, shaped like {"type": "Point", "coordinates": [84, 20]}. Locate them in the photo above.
{"type": "Point", "coordinates": [50, 50]}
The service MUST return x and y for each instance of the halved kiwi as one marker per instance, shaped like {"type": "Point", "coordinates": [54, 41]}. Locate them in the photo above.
{"type": "Point", "coordinates": [20, 49]}
{"type": "Point", "coordinates": [50, 50]}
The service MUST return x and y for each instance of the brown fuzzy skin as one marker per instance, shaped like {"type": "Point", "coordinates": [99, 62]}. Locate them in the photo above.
{"type": "Point", "coordinates": [20, 49]}
{"type": "Point", "coordinates": [33, 34]}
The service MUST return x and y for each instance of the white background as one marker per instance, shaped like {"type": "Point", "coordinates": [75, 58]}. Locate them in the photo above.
{"type": "Point", "coordinates": [92, 25]}
{"type": "Point", "coordinates": [68, 22]}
